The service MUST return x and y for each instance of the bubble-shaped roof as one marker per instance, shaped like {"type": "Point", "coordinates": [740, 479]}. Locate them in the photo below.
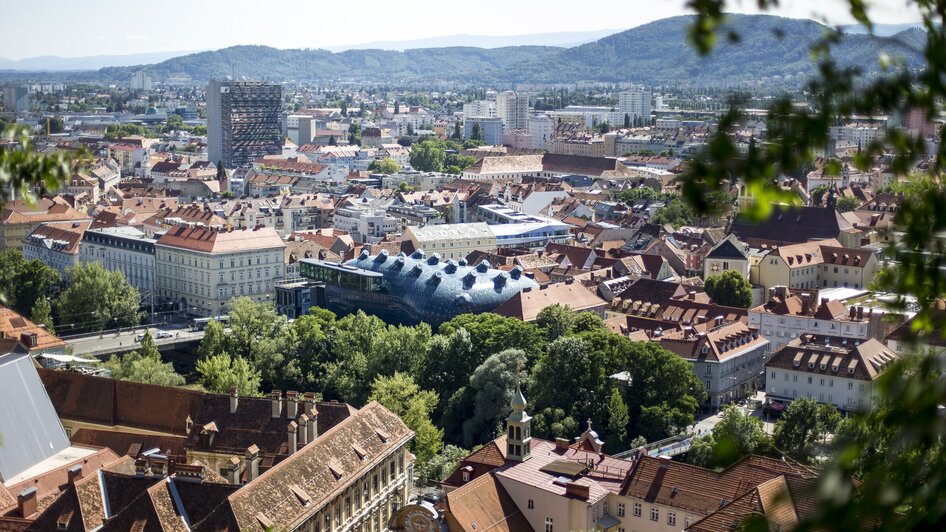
{"type": "Point", "coordinates": [437, 290]}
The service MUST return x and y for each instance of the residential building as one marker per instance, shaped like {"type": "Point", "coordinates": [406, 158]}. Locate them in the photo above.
{"type": "Point", "coordinates": [141, 81]}
{"type": "Point", "coordinates": [790, 313]}
{"type": "Point", "coordinates": [244, 121]}
{"type": "Point", "coordinates": [513, 109]}
{"type": "Point", "coordinates": [295, 297]}
{"type": "Point", "coordinates": [452, 241]}
{"type": "Point", "coordinates": [541, 128]}
{"type": "Point", "coordinates": [408, 289]}
{"type": "Point", "coordinates": [531, 234]}
{"type": "Point", "coordinates": [36, 340]}
{"type": "Point", "coordinates": [835, 371]}
{"type": "Point", "coordinates": [728, 254]}
{"type": "Point", "coordinates": [364, 224]}
{"type": "Point", "coordinates": [203, 269]}
{"type": "Point", "coordinates": [124, 249]}
{"type": "Point", "coordinates": [527, 304]}
{"type": "Point", "coordinates": [491, 129]}
{"type": "Point", "coordinates": [16, 99]}
{"type": "Point", "coordinates": [794, 225]}
{"type": "Point", "coordinates": [822, 264]}
{"type": "Point", "coordinates": [18, 219]}
{"type": "Point", "coordinates": [727, 358]}
{"type": "Point", "coordinates": [479, 108]}
{"type": "Point", "coordinates": [56, 245]}
{"type": "Point", "coordinates": [636, 103]}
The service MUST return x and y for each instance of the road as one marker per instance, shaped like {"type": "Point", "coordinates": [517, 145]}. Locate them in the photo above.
{"type": "Point", "coordinates": [112, 342]}
{"type": "Point", "coordinates": [706, 424]}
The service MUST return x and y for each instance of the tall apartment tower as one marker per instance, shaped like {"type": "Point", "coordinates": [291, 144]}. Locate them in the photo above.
{"type": "Point", "coordinates": [513, 109]}
{"type": "Point", "coordinates": [244, 121]}
{"type": "Point", "coordinates": [16, 99]}
{"type": "Point", "coordinates": [635, 103]}
{"type": "Point", "coordinates": [140, 81]}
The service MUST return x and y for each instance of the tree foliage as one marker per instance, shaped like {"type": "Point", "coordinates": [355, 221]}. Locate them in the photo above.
{"type": "Point", "coordinates": [24, 282]}
{"type": "Point", "coordinates": [399, 394]}
{"type": "Point", "coordinates": [144, 365]}
{"type": "Point", "coordinates": [492, 386]}
{"type": "Point", "coordinates": [97, 299]}
{"type": "Point", "coordinates": [729, 288]}
{"type": "Point", "coordinates": [219, 373]}
{"type": "Point", "coordinates": [676, 213]}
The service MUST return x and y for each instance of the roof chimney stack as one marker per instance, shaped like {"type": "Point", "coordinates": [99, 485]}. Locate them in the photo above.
{"type": "Point", "coordinates": [860, 313]}
{"type": "Point", "coordinates": [313, 424]}
{"type": "Point", "coordinates": [308, 401]}
{"type": "Point", "coordinates": [26, 502]}
{"type": "Point", "coordinates": [252, 463]}
{"type": "Point", "coordinates": [74, 473]}
{"type": "Point", "coordinates": [303, 430]}
{"type": "Point", "coordinates": [292, 404]}
{"type": "Point", "coordinates": [292, 429]}
{"type": "Point", "coordinates": [234, 400]}
{"type": "Point", "coordinates": [561, 444]}
{"type": "Point", "coordinates": [276, 398]}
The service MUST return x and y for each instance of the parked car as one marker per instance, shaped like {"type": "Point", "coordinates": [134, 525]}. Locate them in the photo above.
{"type": "Point", "coordinates": [164, 334]}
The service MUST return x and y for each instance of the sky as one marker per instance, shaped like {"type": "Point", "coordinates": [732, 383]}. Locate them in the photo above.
{"type": "Point", "coordinates": [71, 28]}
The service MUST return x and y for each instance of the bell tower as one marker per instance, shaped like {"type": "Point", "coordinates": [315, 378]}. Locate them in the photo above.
{"type": "Point", "coordinates": [518, 429]}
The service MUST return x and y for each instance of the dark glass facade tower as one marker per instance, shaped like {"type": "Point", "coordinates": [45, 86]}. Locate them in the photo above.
{"type": "Point", "coordinates": [244, 121]}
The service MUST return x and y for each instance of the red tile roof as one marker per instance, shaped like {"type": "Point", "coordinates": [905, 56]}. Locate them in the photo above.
{"type": "Point", "coordinates": [232, 241]}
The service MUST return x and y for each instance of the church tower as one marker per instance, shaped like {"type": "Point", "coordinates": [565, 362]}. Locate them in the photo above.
{"type": "Point", "coordinates": [518, 430]}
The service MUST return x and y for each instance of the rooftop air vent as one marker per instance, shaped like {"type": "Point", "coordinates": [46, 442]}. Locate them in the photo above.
{"type": "Point", "coordinates": [418, 254]}
{"type": "Point", "coordinates": [435, 278]}
{"type": "Point", "coordinates": [451, 267]}
{"type": "Point", "coordinates": [516, 272]}
{"type": "Point", "coordinates": [483, 266]}
{"type": "Point", "coordinates": [434, 259]}
{"type": "Point", "coordinates": [462, 262]}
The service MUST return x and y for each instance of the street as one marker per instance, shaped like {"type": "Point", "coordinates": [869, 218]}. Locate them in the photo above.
{"type": "Point", "coordinates": [112, 342]}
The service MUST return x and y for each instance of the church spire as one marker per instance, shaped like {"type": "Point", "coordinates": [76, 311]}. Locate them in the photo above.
{"type": "Point", "coordinates": [518, 429]}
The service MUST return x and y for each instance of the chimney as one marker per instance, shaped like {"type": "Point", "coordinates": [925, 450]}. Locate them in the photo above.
{"type": "Point", "coordinates": [851, 313]}
{"type": "Point", "coordinates": [692, 294]}
{"type": "Point", "coordinates": [252, 463]}
{"type": "Point", "coordinates": [233, 471]}
{"type": "Point", "coordinates": [860, 313]}
{"type": "Point", "coordinates": [719, 321]}
{"type": "Point", "coordinates": [664, 462]}
{"type": "Point", "coordinates": [234, 400]}
{"type": "Point", "coordinates": [292, 429]}
{"type": "Point", "coordinates": [303, 430]}
{"type": "Point", "coordinates": [141, 467]}
{"type": "Point", "coordinates": [308, 401]}
{"type": "Point", "coordinates": [313, 424]}
{"type": "Point", "coordinates": [26, 502]}
{"type": "Point", "coordinates": [561, 444]}
{"type": "Point", "coordinates": [276, 398]}
{"type": "Point", "coordinates": [806, 304]}
{"type": "Point", "coordinates": [579, 491]}
{"type": "Point", "coordinates": [74, 473]}
{"type": "Point", "coordinates": [292, 404]}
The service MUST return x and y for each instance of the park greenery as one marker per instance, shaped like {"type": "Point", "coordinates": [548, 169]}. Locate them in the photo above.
{"type": "Point", "coordinates": [97, 299]}
{"type": "Point", "coordinates": [454, 385]}
{"type": "Point", "coordinates": [435, 155]}
{"type": "Point", "coordinates": [144, 365]}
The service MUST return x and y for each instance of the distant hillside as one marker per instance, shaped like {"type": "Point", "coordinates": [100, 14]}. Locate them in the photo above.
{"type": "Point", "coordinates": [263, 62]}
{"type": "Point", "coordinates": [655, 53]}
{"type": "Point", "coordinates": [659, 52]}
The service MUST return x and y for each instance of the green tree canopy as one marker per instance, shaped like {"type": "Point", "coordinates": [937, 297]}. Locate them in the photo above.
{"type": "Point", "coordinates": [399, 394]}
{"type": "Point", "coordinates": [631, 196]}
{"type": "Point", "coordinates": [492, 386]}
{"type": "Point", "coordinates": [427, 156]}
{"type": "Point", "coordinates": [144, 365]}
{"type": "Point", "coordinates": [24, 282]}
{"type": "Point", "coordinates": [384, 166]}
{"type": "Point", "coordinates": [555, 320]}
{"type": "Point", "coordinates": [219, 373]}
{"type": "Point", "coordinates": [729, 288]}
{"type": "Point", "coordinates": [42, 314]}
{"type": "Point", "coordinates": [97, 299]}
{"type": "Point", "coordinates": [676, 213]}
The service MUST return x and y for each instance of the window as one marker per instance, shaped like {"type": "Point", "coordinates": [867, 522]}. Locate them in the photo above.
{"type": "Point", "coordinates": [671, 518]}
{"type": "Point", "coordinates": [620, 509]}
{"type": "Point", "coordinates": [637, 509]}
{"type": "Point", "coordinates": [850, 386]}
{"type": "Point", "coordinates": [654, 514]}
{"type": "Point", "coordinates": [531, 504]}
{"type": "Point", "coordinates": [548, 524]}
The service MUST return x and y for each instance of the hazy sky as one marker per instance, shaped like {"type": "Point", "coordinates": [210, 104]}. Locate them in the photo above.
{"type": "Point", "coordinates": [73, 28]}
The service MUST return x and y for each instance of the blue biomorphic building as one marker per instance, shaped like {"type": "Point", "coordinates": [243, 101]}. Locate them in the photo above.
{"type": "Point", "coordinates": [409, 289]}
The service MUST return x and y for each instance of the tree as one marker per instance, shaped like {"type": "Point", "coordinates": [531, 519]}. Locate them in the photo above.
{"type": "Point", "coordinates": [354, 134]}
{"type": "Point", "coordinates": [729, 288]}
{"type": "Point", "coordinates": [332, 141]}
{"type": "Point", "coordinates": [55, 124]}
{"type": "Point", "coordinates": [798, 428]}
{"type": "Point", "coordinates": [264, 338]}
{"type": "Point", "coordinates": [555, 320]}
{"type": "Point", "coordinates": [664, 393]}
{"type": "Point", "coordinates": [603, 127]}
{"type": "Point", "coordinates": [457, 132]}
{"type": "Point", "coordinates": [587, 321]}
{"type": "Point", "coordinates": [492, 385]}
{"type": "Point", "coordinates": [384, 166]}
{"type": "Point", "coordinates": [221, 171]}
{"type": "Point", "coordinates": [618, 421]}
{"type": "Point", "coordinates": [476, 133]}
{"type": "Point", "coordinates": [24, 170]}
{"type": "Point", "coordinates": [97, 299]}
{"type": "Point", "coordinates": [702, 451]}
{"type": "Point", "coordinates": [404, 188]}
{"type": "Point", "coordinates": [847, 204]}
{"type": "Point", "coordinates": [675, 213]}
{"type": "Point", "coordinates": [173, 123]}
{"type": "Point", "coordinates": [441, 466]}
{"type": "Point", "coordinates": [24, 281]}
{"type": "Point", "coordinates": [631, 196]}
{"type": "Point", "coordinates": [736, 435]}
{"type": "Point", "coordinates": [627, 121]}
{"type": "Point", "coordinates": [214, 341]}
{"type": "Point", "coordinates": [427, 156]}
{"type": "Point", "coordinates": [42, 314]}
{"type": "Point", "coordinates": [144, 365]}
{"type": "Point", "coordinates": [399, 394]}
{"type": "Point", "coordinates": [219, 373]}
{"type": "Point", "coordinates": [344, 108]}
{"type": "Point", "coordinates": [397, 107]}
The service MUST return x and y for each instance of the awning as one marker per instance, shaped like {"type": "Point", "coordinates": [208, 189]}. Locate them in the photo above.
{"type": "Point", "coordinates": [67, 358]}
{"type": "Point", "coordinates": [607, 522]}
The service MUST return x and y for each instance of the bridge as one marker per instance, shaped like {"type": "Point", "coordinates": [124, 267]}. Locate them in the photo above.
{"type": "Point", "coordinates": [124, 340]}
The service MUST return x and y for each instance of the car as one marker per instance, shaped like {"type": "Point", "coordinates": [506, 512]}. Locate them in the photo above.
{"type": "Point", "coordinates": [139, 337]}
{"type": "Point", "coordinates": [164, 334]}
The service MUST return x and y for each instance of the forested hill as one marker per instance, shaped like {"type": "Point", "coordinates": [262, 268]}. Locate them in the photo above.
{"type": "Point", "coordinates": [771, 48]}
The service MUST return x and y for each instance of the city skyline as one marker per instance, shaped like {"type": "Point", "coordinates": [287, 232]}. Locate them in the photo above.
{"type": "Point", "coordinates": [246, 22]}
